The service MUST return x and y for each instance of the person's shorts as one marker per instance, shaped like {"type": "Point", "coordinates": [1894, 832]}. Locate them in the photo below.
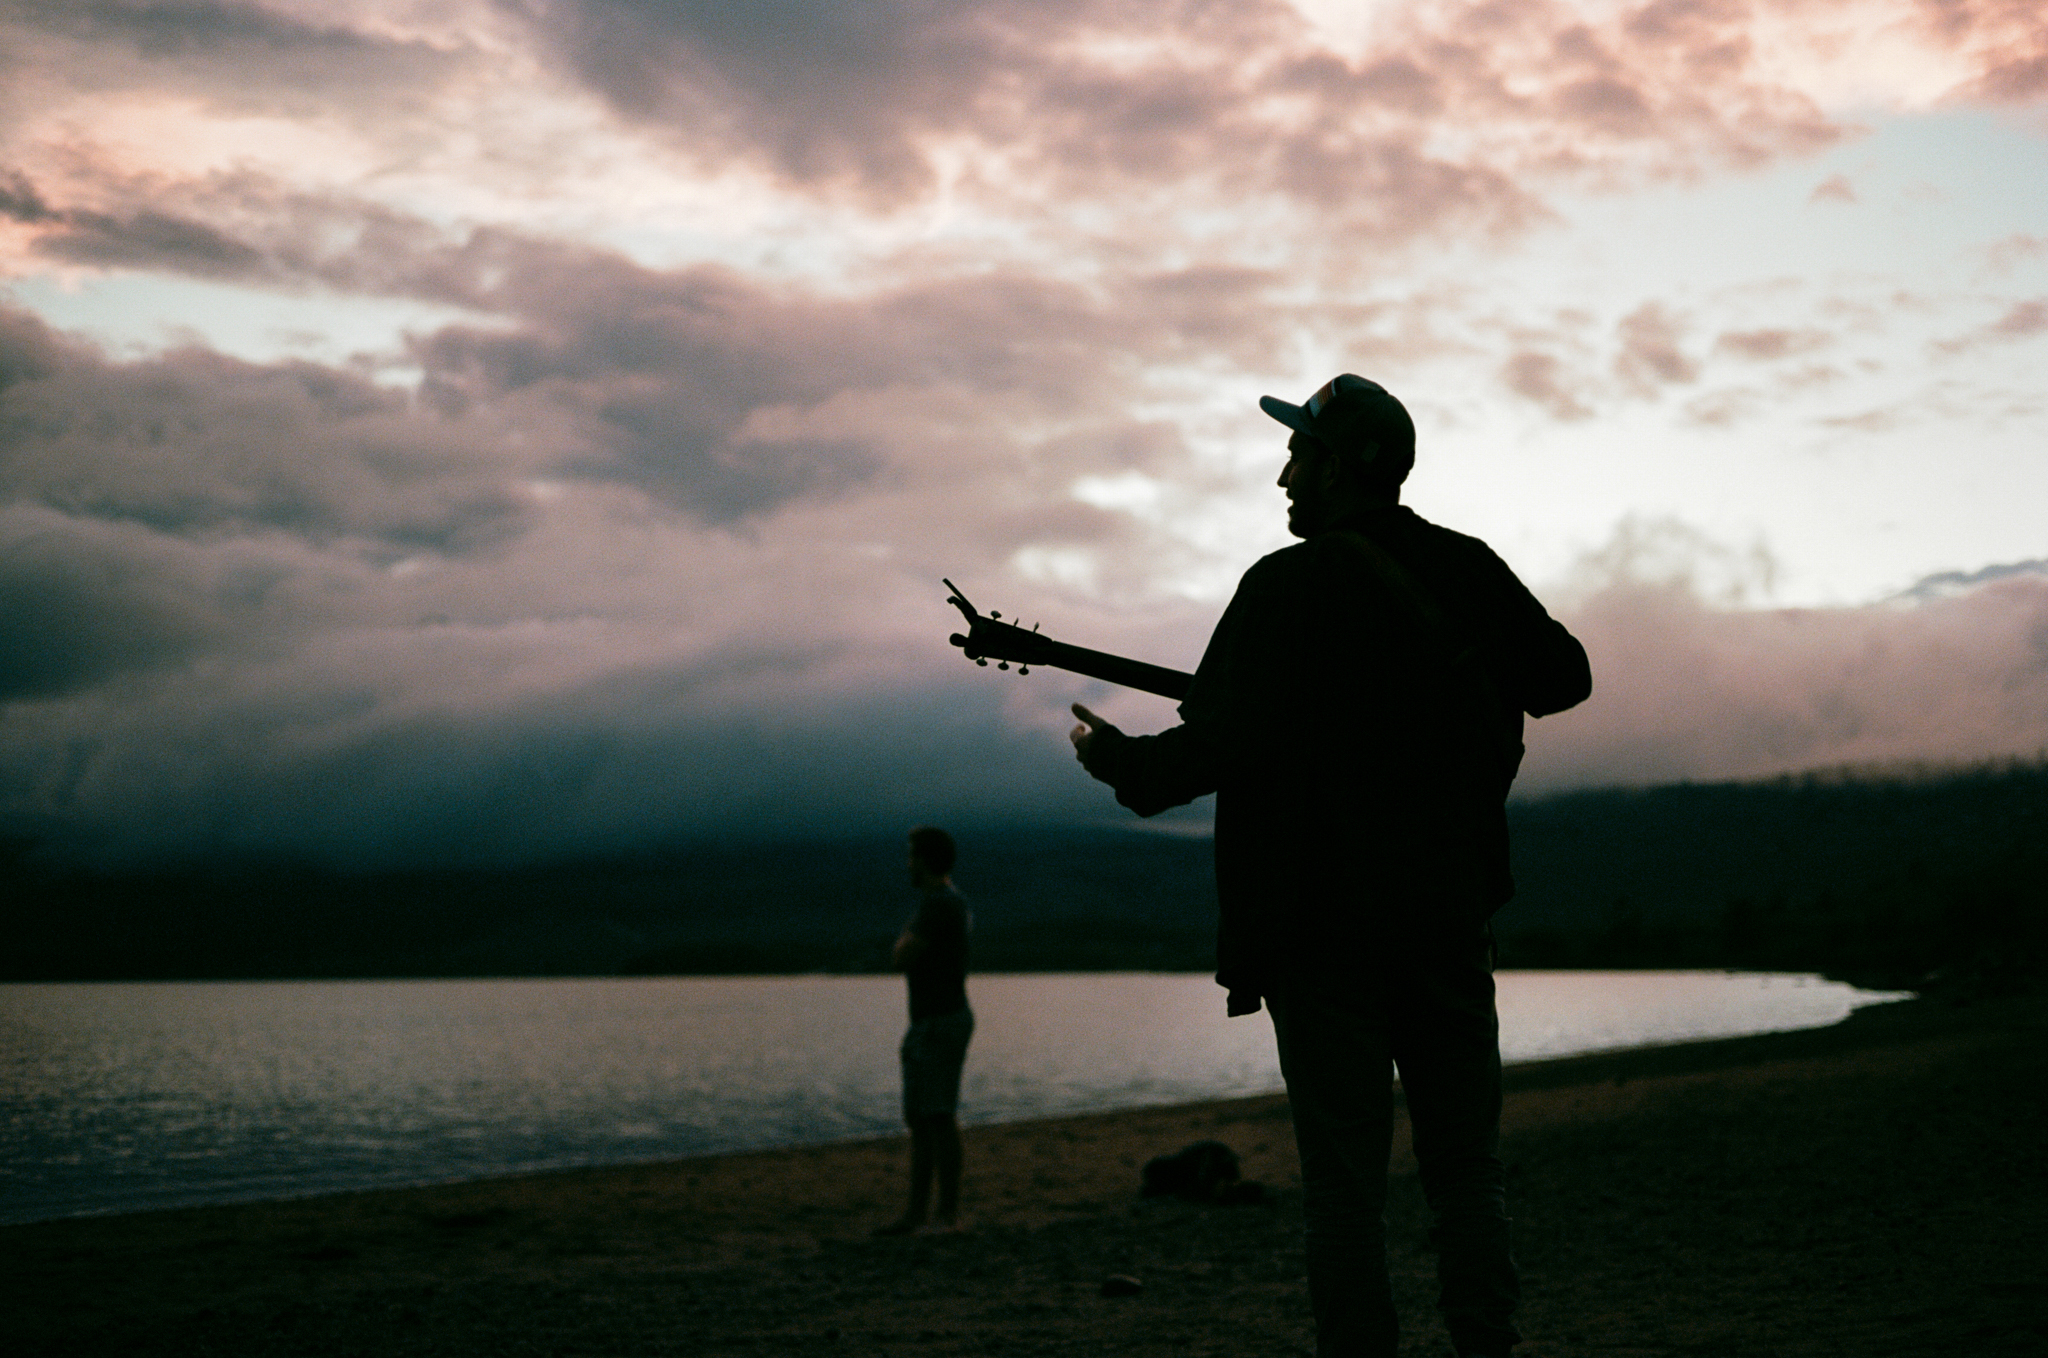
{"type": "Point", "coordinates": [933, 1051]}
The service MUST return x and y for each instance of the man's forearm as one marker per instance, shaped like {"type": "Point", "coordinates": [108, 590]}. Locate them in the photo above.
{"type": "Point", "coordinates": [1152, 773]}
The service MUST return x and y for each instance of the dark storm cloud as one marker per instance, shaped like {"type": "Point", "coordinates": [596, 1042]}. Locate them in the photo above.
{"type": "Point", "coordinates": [196, 443]}
{"type": "Point", "coordinates": [239, 52]}
{"type": "Point", "coordinates": [653, 375]}
{"type": "Point", "coordinates": [585, 774]}
{"type": "Point", "coordinates": [246, 227]}
{"type": "Point", "coordinates": [175, 28]}
{"type": "Point", "coordinates": [1951, 584]}
{"type": "Point", "coordinates": [80, 605]}
{"type": "Point", "coordinates": [615, 370]}
{"type": "Point", "coordinates": [335, 761]}
{"type": "Point", "coordinates": [659, 373]}
{"type": "Point", "coordinates": [282, 608]}
{"type": "Point", "coordinates": [836, 89]}
{"type": "Point", "coordinates": [20, 202]}
{"type": "Point", "coordinates": [143, 240]}
{"type": "Point", "coordinates": [159, 512]}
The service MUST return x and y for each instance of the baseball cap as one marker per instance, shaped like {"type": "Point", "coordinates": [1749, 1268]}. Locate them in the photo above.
{"type": "Point", "coordinates": [1354, 416]}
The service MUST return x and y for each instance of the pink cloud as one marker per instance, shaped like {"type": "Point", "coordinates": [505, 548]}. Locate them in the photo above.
{"type": "Point", "coordinates": [853, 97]}
{"type": "Point", "coordinates": [2004, 39]}
{"type": "Point", "coordinates": [1651, 356]}
{"type": "Point", "coordinates": [1834, 189]}
{"type": "Point", "coordinates": [2022, 321]}
{"type": "Point", "coordinates": [1453, 119]}
{"type": "Point", "coordinates": [1686, 691]}
{"type": "Point", "coordinates": [2026, 319]}
{"type": "Point", "coordinates": [1650, 353]}
{"type": "Point", "coordinates": [1762, 346]}
{"type": "Point", "coordinates": [243, 53]}
{"type": "Point", "coordinates": [1721, 409]}
{"type": "Point", "coordinates": [1238, 99]}
{"type": "Point", "coordinates": [2014, 250]}
{"type": "Point", "coordinates": [1542, 378]}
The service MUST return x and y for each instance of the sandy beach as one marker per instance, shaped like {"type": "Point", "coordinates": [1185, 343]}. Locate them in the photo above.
{"type": "Point", "coordinates": [1874, 1188]}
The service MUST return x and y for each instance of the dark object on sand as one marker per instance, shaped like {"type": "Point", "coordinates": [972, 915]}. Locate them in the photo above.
{"type": "Point", "coordinates": [1121, 1285]}
{"type": "Point", "coordinates": [1204, 1172]}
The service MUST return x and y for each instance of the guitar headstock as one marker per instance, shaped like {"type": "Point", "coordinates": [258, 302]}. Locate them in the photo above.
{"type": "Point", "coordinates": [989, 638]}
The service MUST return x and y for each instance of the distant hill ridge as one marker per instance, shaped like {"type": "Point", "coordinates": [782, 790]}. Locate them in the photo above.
{"type": "Point", "coordinates": [1880, 878]}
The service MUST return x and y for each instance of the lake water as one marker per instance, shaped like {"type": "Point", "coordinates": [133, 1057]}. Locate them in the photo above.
{"type": "Point", "coordinates": [123, 1097]}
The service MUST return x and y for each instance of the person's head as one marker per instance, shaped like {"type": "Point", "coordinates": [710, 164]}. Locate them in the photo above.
{"type": "Point", "coordinates": [1353, 445]}
{"type": "Point", "coordinates": [931, 853]}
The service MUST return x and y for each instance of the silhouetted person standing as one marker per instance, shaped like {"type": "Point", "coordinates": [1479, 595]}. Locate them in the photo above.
{"type": "Point", "coordinates": [932, 955]}
{"type": "Point", "coordinates": [1358, 714]}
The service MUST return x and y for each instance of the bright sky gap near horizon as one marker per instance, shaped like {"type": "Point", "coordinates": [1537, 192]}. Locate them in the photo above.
{"type": "Point", "coordinates": [484, 431]}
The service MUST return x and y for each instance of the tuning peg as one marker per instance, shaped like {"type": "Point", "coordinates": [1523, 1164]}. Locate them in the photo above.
{"type": "Point", "coordinates": [1003, 665]}
{"type": "Point", "coordinates": [1023, 669]}
{"type": "Point", "coordinates": [993, 614]}
{"type": "Point", "coordinates": [980, 661]}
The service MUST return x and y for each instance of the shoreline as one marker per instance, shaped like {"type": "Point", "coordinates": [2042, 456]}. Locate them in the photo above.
{"type": "Point", "coordinates": [276, 1185]}
{"type": "Point", "coordinates": [1870, 1186]}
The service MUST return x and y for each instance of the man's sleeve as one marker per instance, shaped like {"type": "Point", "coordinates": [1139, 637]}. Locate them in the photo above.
{"type": "Point", "coordinates": [1152, 773]}
{"type": "Point", "coordinates": [1546, 667]}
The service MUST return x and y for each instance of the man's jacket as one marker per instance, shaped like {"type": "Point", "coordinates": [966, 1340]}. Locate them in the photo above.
{"type": "Point", "coordinates": [1358, 714]}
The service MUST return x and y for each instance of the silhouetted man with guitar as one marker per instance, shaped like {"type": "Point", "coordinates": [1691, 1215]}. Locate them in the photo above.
{"type": "Point", "coordinates": [1358, 714]}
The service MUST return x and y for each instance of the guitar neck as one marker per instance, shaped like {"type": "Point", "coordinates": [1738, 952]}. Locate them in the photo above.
{"type": "Point", "coordinates": [990, 638]}
{"type": "Point", "coordinates": [1114, 669]}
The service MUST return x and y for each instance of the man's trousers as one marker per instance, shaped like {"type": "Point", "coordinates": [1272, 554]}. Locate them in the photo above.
{"type": "Point", "coordinates": [1424, 1007]}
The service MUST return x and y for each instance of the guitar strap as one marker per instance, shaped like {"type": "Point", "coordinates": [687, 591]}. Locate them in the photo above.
{"type": "Point", "coordinates": [1457, 653]}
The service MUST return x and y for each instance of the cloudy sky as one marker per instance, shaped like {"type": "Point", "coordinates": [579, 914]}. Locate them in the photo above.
{"type": "Point", "coordinates": [471, 431]}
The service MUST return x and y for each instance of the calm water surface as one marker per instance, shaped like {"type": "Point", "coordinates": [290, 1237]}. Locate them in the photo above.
{"type": "Point", "coordinates": [121, 1097]}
